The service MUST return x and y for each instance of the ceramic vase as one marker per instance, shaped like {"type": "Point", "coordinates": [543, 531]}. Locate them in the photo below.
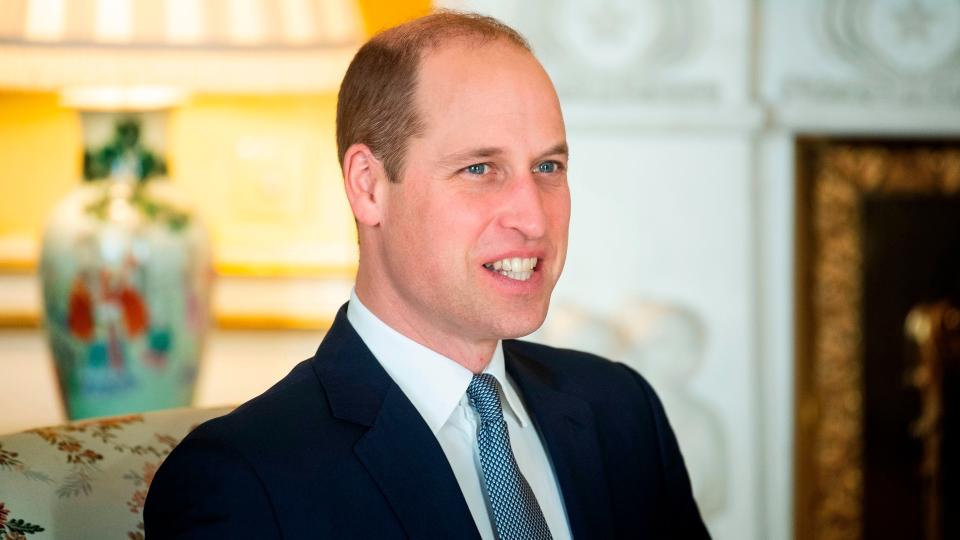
{"type": "Point", "coordinates": [126, 279]}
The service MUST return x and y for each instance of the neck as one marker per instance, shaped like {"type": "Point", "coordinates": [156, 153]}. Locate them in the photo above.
{"type": "Point", "coordinates": [474, 355]}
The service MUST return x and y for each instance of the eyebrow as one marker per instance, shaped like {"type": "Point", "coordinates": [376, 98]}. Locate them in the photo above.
{"type": "Point", "coordinates": [559, 148]}
{"type": "Point", "coordinates": [473, 154]}
{"type": "Point", "coordinates": [492, 151]}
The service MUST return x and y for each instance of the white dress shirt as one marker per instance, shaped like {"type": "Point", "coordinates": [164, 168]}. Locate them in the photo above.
{"type": "Point", "coordinates": [437, 386]}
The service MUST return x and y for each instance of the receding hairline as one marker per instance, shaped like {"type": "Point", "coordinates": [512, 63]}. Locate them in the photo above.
{"type": "Point", "coordinates": [399, 54]}
{"type": "Point", "coordinates": [447, 28]}
{"type": "Point", "coordinates": [446, 25]}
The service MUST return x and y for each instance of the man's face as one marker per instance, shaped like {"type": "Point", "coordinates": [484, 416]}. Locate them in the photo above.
{"type": "Point", "coordinates": [483, 189]}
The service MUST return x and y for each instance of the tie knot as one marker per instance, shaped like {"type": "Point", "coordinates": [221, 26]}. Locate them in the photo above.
{"type": "Point", "coordinates": [485, 397]}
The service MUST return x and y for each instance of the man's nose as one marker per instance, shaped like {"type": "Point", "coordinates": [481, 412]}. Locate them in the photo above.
{"type": "Point", "coordinates": [523, 208]}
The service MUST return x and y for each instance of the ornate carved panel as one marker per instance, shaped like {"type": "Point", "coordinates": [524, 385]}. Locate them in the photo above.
{"type": "Point", "coordinates": [625, 50]}
{"type": "Point", "coordinates": [862, 52]}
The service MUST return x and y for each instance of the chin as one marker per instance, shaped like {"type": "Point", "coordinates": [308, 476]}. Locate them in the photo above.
{"type": "Point", "coordinates": [518, 327]}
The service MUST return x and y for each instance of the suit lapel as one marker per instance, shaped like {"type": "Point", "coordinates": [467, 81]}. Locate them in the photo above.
{"type": "Point", "coordinates": [568, 429]}
{"type": "Point", "coordinates": [398, 450]}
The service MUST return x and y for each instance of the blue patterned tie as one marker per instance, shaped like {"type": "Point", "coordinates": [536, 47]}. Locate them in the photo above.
{"type": "Point", "coordinates": [516, 514]}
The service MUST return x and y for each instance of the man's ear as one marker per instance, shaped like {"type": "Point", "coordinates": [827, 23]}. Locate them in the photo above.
{"type": "Point", "coordinates": [362, 175]}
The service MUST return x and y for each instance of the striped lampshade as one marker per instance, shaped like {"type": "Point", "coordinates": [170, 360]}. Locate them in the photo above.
{"type": "Point", "coordinates": [246, 46]}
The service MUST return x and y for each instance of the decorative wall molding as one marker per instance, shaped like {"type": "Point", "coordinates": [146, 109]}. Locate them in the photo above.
{"type": "Point", "coordinates": [584, 114]}
{"type": "Point", "coordinates": [909, 41]}
{"type": "Point", "coordinates": [622, 50]}
{"type": "Point", "coordinates": [851, 119]}
{"type": "Point", "coordinates": [868, 53]}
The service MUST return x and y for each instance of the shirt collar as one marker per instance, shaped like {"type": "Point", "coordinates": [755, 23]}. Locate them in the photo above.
{"type": "Point", "coordinates": [434, 383]}
{"type": "Point", "coordinates": [512, 404]}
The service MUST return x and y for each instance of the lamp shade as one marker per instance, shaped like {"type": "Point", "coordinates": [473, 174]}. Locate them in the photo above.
{"type": "Point", "coordinates": [222, 46]}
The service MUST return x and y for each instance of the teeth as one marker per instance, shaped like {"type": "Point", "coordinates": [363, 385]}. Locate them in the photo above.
{"type": "Point", "coordinates": [519, 276]}
{"type": "Point", "coordinates": [520, 269]}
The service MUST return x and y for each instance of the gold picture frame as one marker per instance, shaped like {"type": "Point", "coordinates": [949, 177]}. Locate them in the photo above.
{"type": "Point", "coordinates": [833, 176]}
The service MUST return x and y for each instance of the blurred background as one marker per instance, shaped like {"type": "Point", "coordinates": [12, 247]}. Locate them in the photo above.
{"type": "Point", "coordinates": [766, 223]}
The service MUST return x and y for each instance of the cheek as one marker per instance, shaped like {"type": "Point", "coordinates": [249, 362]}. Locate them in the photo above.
{"type": "Point", "coordinates": [439, 235]}
{"type": "Point", "coordinates": [558, 208]}
{"type": "Point", "coordinates": [460, 218]}
{"type": "Point", "coordinates": [410, 212]}
{"type": "Point", "coordinates": [403, 230]}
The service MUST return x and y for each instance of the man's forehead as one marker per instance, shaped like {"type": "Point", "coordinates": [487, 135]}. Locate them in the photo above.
{"type": "Point", "coordinates": [470, 55]}
{"type": "Point", "coordinates": [490, 72]}
{"type": "Point", "coordinates": [477, 99]}
{"type": "Point", "coordinates": [467, 41]}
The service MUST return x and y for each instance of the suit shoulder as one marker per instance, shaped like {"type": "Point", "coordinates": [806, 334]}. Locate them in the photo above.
{"type": "Point", "coordinates": [277, 413]}
{"type": "Point", "coordinates": [579, 371]}
{"type": "Point", "coordinates": [539, 350]}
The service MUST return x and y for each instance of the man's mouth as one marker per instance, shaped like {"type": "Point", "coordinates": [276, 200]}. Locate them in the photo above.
{"type": "Point", "coordinates": [516, 268]}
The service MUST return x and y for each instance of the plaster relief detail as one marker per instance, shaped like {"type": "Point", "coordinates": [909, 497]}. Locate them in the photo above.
{"type": "Point", "coordinates": [902, 51]}
{"type": "Point", "coordinates": [626, 50]}
{"type": "Point", "coordinates": [665, 343]}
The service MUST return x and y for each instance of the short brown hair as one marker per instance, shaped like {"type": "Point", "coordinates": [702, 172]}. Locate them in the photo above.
{"type": "Point", "coordinates": [376, 103]}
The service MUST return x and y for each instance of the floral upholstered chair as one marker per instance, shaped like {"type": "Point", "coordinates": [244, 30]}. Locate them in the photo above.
{"type": "Point", "coordinates": [88, 479]}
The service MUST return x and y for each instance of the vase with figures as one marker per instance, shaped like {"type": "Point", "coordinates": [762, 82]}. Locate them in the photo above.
{"type": "Point", "coordinates": [125, 270]}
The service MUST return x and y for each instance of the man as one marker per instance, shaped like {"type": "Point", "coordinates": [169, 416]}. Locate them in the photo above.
{"type": "Point", "coordinates": [418, 417]}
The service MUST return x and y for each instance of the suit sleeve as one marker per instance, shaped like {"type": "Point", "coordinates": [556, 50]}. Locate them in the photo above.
{"type": "Point", "coordinates": [686, 515]}
{"type": "Point", "coordinates": [206, 490]}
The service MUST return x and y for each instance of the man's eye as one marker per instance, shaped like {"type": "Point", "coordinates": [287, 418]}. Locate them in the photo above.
{"type": "Point", "coordinates": [548, 167]}
{"type": "Point", "coordinates": [477, 168]}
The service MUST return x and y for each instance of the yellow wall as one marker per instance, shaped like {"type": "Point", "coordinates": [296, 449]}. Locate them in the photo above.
{"type": "Point", "coordinates": [40, 156]}
{"type": "Point", "coordinates": [380, 14]}
{"type": "Point", "coordinates": [264, 171]}
{"type": "Point", "coordinates": [259, 168]}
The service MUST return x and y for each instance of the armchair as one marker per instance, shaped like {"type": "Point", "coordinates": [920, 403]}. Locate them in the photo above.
{"type": "Point", "coordinates": [87, 479]}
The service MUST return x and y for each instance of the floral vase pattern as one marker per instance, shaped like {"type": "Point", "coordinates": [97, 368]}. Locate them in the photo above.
{"type": "Point", "coordinates": [126, 280]}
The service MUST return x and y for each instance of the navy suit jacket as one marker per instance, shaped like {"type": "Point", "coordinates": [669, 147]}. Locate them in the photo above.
{"type": "Point", "coordinates": [336, 450]}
